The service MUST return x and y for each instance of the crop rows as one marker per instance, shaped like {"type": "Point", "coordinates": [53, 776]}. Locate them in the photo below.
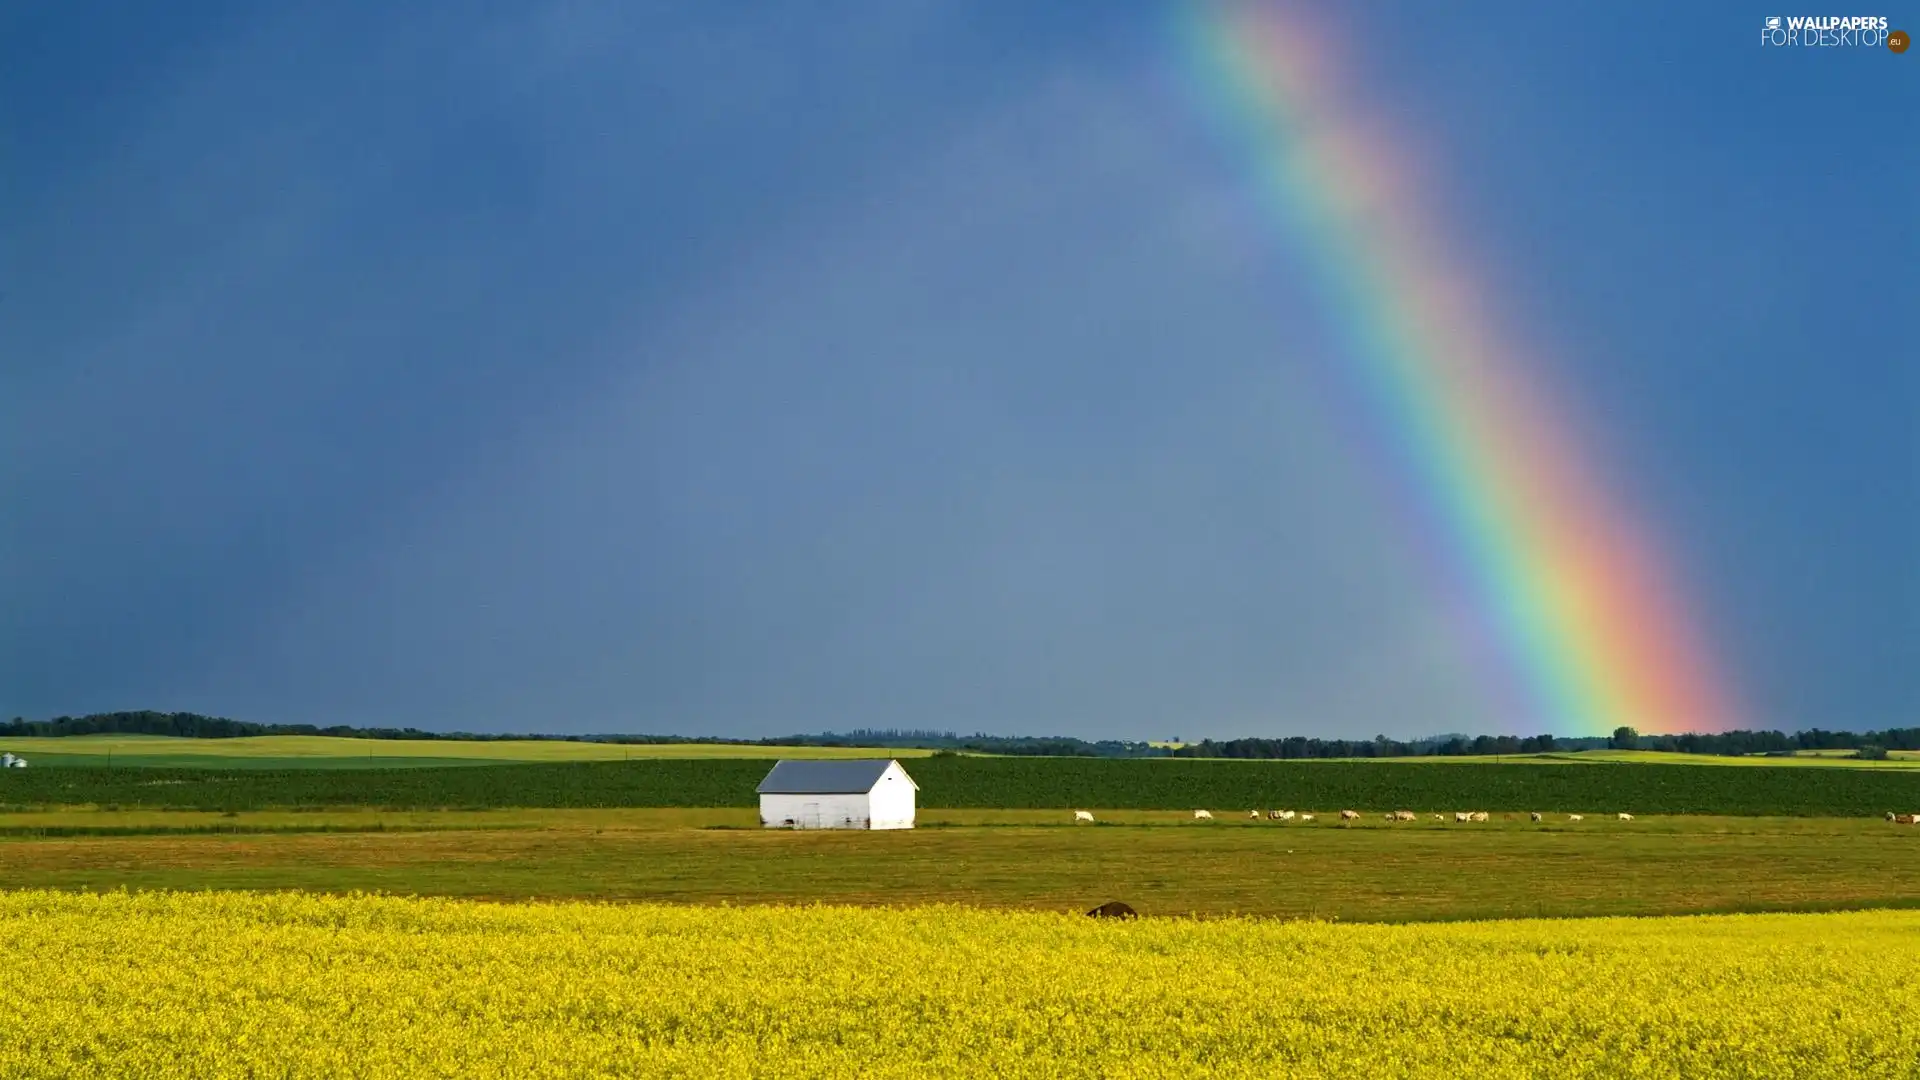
{"type": "Point", "coordinates": [1013, 783]}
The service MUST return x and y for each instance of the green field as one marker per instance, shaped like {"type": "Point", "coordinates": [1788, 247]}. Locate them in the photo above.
{"type": "Point", "coordinates": [1008, 783]}
{"type": "Point", "coordinates": [1844, 759]}
{"type": "Point", "coordinates": [995, 832]}
{"type": "Point", "coordinates": [331, 752]}
{"type": "Point", "coordinates": [1161, 862]}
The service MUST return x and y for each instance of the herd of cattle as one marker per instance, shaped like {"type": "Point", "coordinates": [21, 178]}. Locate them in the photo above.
{"type": "Point", "coordinates": [1458, 816]}
{"type": "Point", "coordinates": [1398, 815]}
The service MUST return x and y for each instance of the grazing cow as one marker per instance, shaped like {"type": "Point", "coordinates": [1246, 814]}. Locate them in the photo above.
{"type": "Point", "coordinates": [1906, 819]}
{"type": "Point", "coordinates": [1276, 815]}
{"type": "Point", "coordinates": [1462, 815]}
{"type": "Point", "coordinates": [1114, 909]}
{"type": "Point", "coordinates": [1349, 815]}
{"type": "Point", "coordinates": [1535, 816]}
{"type": "Point", "coordinates": [1891, 816]}
{"type": "Point", "coordinates": [1439, 817]}
{"type": "Point", "coordinates": [1387, 817]}
{"type": "Point", "coordinates": [1203, 815]}
{"type": "Point", "coordinates": [1626, 817]}
{"type": "Point", "coordinates": [1254, 814]}
{"type": "Point", "coordinates": [1082, 815]}
{"type": "Point", "coordinates": [1405, 815]}
{"type": "Point", "coordinates": [1303, 817]}
{"type": "Point", "coordinates": [1287, 815]}
{"type": "Point", "coordinates": [1479, 815]}
{"type": "Point", "coordinates": [1576, 817]}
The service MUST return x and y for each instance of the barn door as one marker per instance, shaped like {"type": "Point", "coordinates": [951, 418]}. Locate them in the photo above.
{"type": "Point", "coordinates": [810, 815]}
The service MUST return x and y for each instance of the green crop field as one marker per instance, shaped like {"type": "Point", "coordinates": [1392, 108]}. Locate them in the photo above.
{"type": "Point", "coordinates": [1009, 783]}
{"type": "Point", "coordinates": [1162, 862]}
{"type": "Point", "coordinates": [331, 752]}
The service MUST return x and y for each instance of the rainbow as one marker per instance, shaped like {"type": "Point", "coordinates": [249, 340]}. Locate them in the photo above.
{"type": "Point", "coordinates": [1563, 580]}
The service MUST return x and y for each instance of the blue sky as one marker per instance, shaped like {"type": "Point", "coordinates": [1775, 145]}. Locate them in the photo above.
{"type": "Point", "coordinates": [739, 369]}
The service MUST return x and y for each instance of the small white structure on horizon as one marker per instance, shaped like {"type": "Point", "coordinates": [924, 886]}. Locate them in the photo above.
{"type": "Point", "coordinates": [10, 761]}
{"type": "Point", "coordinates": [846, 794]}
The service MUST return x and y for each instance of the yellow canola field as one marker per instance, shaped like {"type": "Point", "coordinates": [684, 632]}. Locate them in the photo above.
{"type": "Point", "coordinates": [235, 984]}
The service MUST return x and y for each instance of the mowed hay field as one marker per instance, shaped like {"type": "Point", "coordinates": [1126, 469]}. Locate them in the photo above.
{"type": "Point", "coordinates": [212, 985]}
{"type": "Point", "coordinates": [1161, 862]}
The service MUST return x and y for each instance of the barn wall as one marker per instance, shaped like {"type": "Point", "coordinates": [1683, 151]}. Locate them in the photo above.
{"type": "Point", "coordinates": [814, 811]}
{"type": "Point", "coordinates": [892, 801]}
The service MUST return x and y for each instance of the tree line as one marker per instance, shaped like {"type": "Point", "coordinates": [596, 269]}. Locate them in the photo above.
{"type": "Point", "coordinates": [1731, 743]}
{"type": "Point", "coordinates": [1725, 744]}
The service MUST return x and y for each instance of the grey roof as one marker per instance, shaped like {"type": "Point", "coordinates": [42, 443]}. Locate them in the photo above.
{"type": "Point", "coordinates": [842, 777]}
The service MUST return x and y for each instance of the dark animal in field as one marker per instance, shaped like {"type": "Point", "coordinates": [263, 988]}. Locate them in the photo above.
{"type": "Point", "coordinates": [1114, 909]}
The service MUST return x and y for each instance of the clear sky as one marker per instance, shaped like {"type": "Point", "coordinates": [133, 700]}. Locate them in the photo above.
{"type": "Point", "coordinates": [750, 369]}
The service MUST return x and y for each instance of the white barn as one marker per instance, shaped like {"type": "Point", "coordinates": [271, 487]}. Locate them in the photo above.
{"type": "Point", "coordinates": [849, 794]}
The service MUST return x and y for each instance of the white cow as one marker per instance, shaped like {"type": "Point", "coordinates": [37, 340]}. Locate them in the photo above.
{"type": "Point", "coordinates": [1576, 817]}
{"type": "Point", "coordinates": [1462, 815]}
{"type": "Point", "coordinates": [1303, 817]}
{"type": "Point", "coordinates": [1535, 816]}
{"type": "Point", "coordinates": [1626, 817]}
{"type": "Point", "coordinates": [1254, 814]}
{"type": "Point", "coordinates": [1405, 815]}
{"type": "Point", "coordinates": [1479, 815]}
{"type": "Point", "coordinates": [1439, 817]}
{"type": "Point", "coordinates": [1349, 815]}
{"type": "Point", "coordinates": [1082, 815]}
{"type": "Point", "coordinates": [1203, 815]}
{"type": "Point", "coordinates": [1287, 815]}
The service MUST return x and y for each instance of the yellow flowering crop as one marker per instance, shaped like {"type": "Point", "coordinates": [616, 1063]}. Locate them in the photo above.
{"type": "Point", "coordinates": [212, 985]}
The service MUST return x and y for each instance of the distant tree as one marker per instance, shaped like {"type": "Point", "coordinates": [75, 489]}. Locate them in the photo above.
{"type": "Point", "coordinates": [1870, 752]}
{"type": "Point", "coordinates": [1624, 738]}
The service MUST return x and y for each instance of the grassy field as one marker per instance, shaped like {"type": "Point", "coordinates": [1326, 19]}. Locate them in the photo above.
{"type": "Point", "coordinates": [1843, 759]}
{"type": "Point", "coordinates": [1009, 782]}
{"type": "Point", "coordinates": [169, 984]}
{"type": "Point", "coordinates": [1160, 862]}
{"type": "Point", "coordinates": [329, 752]}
